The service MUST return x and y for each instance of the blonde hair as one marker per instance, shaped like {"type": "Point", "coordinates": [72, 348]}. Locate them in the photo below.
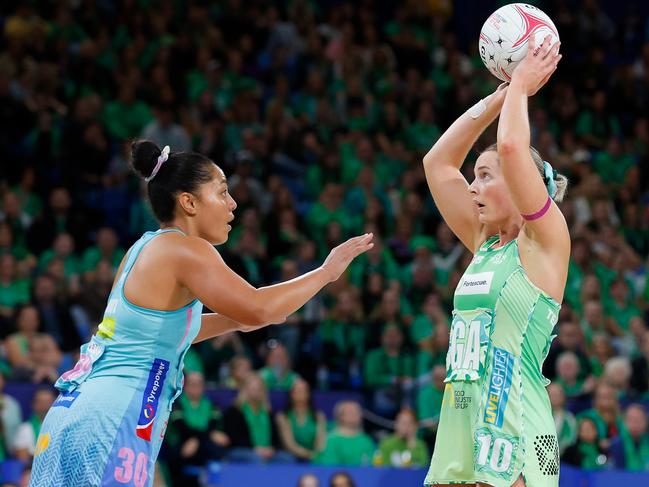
{"type": "Point", "coordinates": [559, 179]}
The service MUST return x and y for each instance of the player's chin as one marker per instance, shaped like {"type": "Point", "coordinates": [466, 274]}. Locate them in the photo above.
{"type": "Point", "coordinates": [221, 238]}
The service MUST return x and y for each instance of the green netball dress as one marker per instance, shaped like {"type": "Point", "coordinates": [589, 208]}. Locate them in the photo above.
{"type": "Point", "coordinates": [496, 421]}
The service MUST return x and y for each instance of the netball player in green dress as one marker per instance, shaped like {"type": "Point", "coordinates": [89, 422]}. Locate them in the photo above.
{"type": "Point", "coordinates": [496, 426]}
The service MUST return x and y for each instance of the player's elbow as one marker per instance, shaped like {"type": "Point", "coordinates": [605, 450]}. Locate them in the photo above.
{"type": "Point", "coordinates": [510, 150]}
{"type": "Point", "coordinates": [508, 147]}
{"type": "Point", "coordinates": [257, 315]}
{"type": "Point", "coordinates": [433, 158]}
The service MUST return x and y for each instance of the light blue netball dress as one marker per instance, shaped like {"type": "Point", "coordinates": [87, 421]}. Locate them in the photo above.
{"type": "Point", "coordinates": [107, 424]}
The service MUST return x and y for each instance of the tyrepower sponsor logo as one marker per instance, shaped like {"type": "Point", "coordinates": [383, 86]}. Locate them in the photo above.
{"type": "Point", "coordinates": [499, 384]}
{"type": "Point", "coordinates": [65, 399]}
{"type": "Point", "coordinates": [479, 283]}
{"type": "Point", "coordinates": [152, 392]}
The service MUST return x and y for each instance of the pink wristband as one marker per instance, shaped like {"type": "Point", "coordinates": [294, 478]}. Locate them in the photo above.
{"type": "Point", "coordinates": [540, 213]}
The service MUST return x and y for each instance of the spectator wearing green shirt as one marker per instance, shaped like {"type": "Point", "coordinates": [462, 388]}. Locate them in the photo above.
{"type": "Point", "coordinates": [343, 335]}
{"type": "Point", "coordinates": [347, 444]}
{"type": "Point", "coordinates": [613, 164]}
{"type": "Point", "coordinates": [238, 372]}
{"type": "Point", "coordinates": [601, 352]}
{"type": "Point", "coordinates": [448, 253]}
{"type": "Point", "coordinates": [195, 430]}
{"type": "Point", "coordinates": [7, 245]}
{"type": "Point", "coordinates": [30, 201]}
{"type": "Point", "coordinates": [302, 428]}
{"type": "Point", "coordinates": [422, 132]}
{"type": "Point", "coordinates": [635, 337]}
{"type": "Point", "coordinates": [14, 291]}
{"type": "Point", "coordinates": [403, 448]}
{"type": "Point", "coordinates": [15, 216]}
{"type": "Point", "coordinates": [617, 373]}
{"type": "Point", "coordinates": [327, 170]}
{"type": "Point", "coordinates": [568, 376]}
{"type": "Point", "coordinates": [107, 248]}
{"type": "Point", "coordinates": [591, 289]}
{"type": "Point", "coordinates": [389, 372]}
{"type": "Point", "coordinates": [589, 450]}
{"type": "Point", "coordinates": [378, 259]}
{"type": "Point", "coordinates": [619, 307]}
{"type": "Point", "coordinates": [328, 209]}
{"type": "Point", "coordinates": [62, 248]}
{"type": "Point", "coordinates": [418, 277]}
{"type": "Point", "coordinates": [217, 352]}
{"type": "Point", "coordinates": [581, 263]}
{"type": "Point", "coordinates": [363, 153]}
{"type": "Point", "coordinates": [634, 228]}
{"type": "Point", "coordinates": [593, 322]}
{"type": "Point", "coordinates": [250, 427]}
{"type": "Point", "coordinates": [630, 450]}
{"type": "Point", "coordinates": [605, 412]}
{"type": "Point", "coordinates": [564, 420]}
{"type": "Point", "coordinates": [126, 116]}
{"type": "Point", "coordinates": [393, 309]}
{"type": "Point", "coordinates": [277, 374]}
{"type": "Point", "coordinates": [32, 355]}
{"type": "Point", "coordinates": [429, 399]}
{"type": "Point", "coordinates": [422, 334]}
{"type": "Point", "coordinates": [596, 125]}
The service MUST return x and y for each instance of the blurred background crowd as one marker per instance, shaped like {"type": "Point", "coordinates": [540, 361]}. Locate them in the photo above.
{"type": "Point", "coordinates": [319, 112]}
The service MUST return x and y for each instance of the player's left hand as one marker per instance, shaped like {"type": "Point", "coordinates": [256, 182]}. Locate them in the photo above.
{"type": "Point", "coordinates": [538, 65]}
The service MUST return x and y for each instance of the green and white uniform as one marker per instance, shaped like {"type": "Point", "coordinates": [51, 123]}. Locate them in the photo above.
{"type": "Point", "coordinates": [496, 420]}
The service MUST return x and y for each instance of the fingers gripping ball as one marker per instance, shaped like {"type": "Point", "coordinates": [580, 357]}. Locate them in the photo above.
{"type": "Point", "coordinates": [504, 37]}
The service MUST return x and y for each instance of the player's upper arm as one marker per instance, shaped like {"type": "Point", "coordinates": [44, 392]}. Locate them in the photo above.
{"type": "Point", "coordinates": [202, 270]}
{"type": "Point", "coordinates": [530, 195]}
{"type": "Point", "coordinates": [451, 194]}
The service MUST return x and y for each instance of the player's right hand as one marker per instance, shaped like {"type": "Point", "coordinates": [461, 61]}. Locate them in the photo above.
{"type": "Point", "coordinates": [340, 257]}
{"type": "Point", "coordinates": [535, 69]}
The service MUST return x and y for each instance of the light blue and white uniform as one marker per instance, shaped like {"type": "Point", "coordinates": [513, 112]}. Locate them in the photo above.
{"type": "Point", "coordinates": [108, 423]}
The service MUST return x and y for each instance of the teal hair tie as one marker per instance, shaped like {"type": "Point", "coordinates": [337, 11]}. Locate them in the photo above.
{"type": "Point", "coordinates": [550, 179]}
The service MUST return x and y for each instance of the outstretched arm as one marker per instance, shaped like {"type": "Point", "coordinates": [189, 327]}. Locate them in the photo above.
{"type": "Point", "coordinates": [443, 162]}
{"type": "Point", "coordinates": [201, 269]}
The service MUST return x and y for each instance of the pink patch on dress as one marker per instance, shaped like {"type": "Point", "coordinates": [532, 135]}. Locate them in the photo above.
{"type": "Point", "coordinates": [83, 365]}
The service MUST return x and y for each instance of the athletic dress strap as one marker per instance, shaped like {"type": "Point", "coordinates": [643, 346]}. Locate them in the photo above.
{"type": "Point", "coordinates": [134, 253]}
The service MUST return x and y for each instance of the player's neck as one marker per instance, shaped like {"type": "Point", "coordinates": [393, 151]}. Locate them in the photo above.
{"type": "Point", "coordinates": [508, 232]}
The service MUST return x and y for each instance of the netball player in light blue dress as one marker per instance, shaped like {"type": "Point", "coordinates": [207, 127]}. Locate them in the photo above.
{"type": "Point", "coordinates": [109, 420]}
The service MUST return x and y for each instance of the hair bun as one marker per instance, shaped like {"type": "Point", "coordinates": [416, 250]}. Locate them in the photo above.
{"type": "Point", "coordinates": [144, 156]}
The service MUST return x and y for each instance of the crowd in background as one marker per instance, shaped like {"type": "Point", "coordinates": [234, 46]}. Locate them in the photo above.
{"type": "Point", "coordinates": [319, 112]}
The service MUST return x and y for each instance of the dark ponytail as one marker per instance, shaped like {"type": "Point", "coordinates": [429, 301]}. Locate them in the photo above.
{"type": "Point", "coordinates": [181, 172]}
{"type": "Point", "coordinates": [144, 155]}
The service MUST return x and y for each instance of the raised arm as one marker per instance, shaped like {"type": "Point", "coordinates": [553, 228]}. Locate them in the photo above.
{"type": "Point", "coordinates": [525, 184]}
{"type": "Point", "coordinates": [443, 162]}
{"type": "Point", "coordinates": [200, 268]}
